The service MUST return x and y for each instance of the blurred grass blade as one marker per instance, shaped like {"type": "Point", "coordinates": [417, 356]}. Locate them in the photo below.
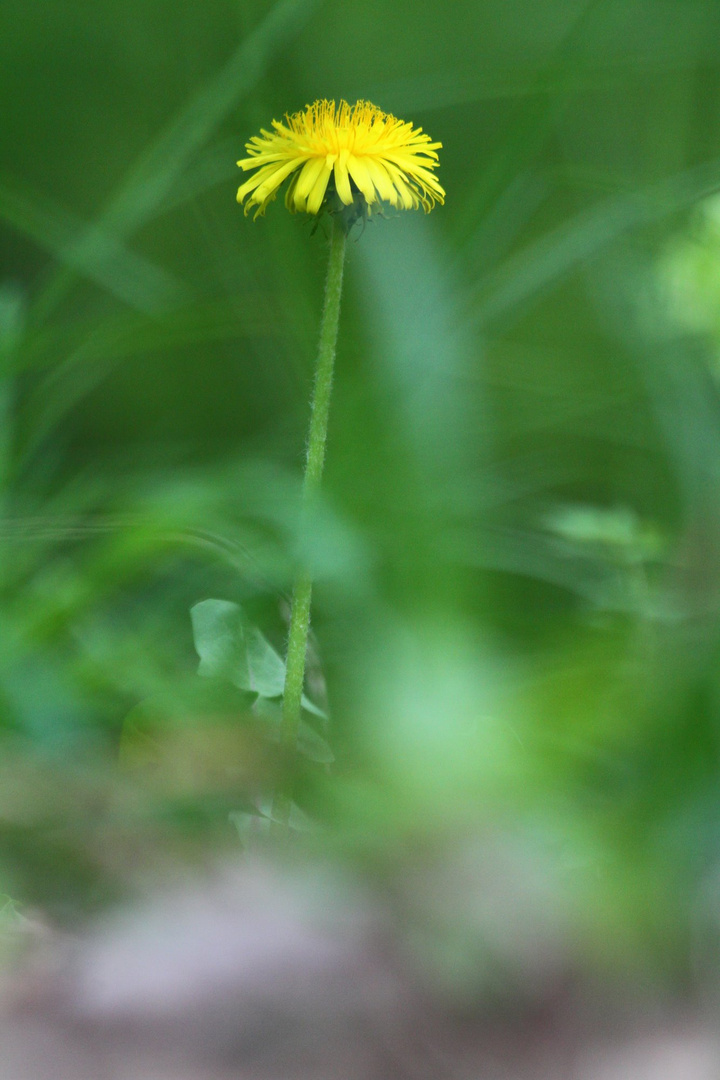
{"type": "Point", "coordinates": [533, 122]}
{"type": "Point", "coordinates": [12, 321]}
{"type": "Point", "coordinates": [157, 170]}
{"type": "Point", "coordinates": [554, 254]}
{"type": "Point", "coordinates": [590, 232]}
{"type": "Point", "coordinates": [93, 351]}
{"type": "Point", "coordinates": [412, 306]}
{"type": "Point", "coordinates": [101, 258]}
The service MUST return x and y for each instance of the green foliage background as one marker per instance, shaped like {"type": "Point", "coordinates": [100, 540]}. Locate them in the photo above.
{"type": "Point", "coordinates": [516, 611]}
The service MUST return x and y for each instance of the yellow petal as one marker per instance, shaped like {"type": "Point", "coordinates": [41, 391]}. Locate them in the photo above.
{"type": "Point", "coordinates": [381, 180]}
{"type": "Point", "coordinates": [275, 179]}
{"type": "Point", "coordinates": [342, 182]}
{"type": "Point", "coordinates": [316, 196]}
{"type": "Point", "coordinates": [360, 173]}
{"type": "Point", "coordinates": [306, 180]}
{"type": "Point", "coordinates": [290, 202]}
{"type": "Point", "coordinates": [255, 181]}
{"type": "Point", "coordinates": [407, 195]}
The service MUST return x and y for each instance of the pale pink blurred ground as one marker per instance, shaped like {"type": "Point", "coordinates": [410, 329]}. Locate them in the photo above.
{"type": "Point", "coordinates": [264, 972]}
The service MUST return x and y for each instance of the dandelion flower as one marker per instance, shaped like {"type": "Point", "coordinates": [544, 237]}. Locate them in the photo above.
{"type": "Point", "coordinates": [344, 156]}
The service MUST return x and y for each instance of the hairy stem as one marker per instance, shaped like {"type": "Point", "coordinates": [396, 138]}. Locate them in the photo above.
{"type": "Point", "coordinates": [317, 438]}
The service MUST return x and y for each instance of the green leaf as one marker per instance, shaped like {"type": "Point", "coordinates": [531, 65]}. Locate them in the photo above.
{"type": "Point", "coordinates": [219, 637]}
{"type": "Point", "coordinates": [266, 669]}
{"type": "Point", "coordinates": [231, 648]}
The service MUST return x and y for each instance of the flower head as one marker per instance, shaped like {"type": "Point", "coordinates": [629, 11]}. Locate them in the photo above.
{"type": "Point", "coordinates": [350, 155]}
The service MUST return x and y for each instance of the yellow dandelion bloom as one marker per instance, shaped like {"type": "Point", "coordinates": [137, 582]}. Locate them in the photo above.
{"type": "Point", "coordinates": [356, 153]}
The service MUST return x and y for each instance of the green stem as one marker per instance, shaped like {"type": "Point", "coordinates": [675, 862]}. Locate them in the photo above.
{"type": "Point", "coordinates": [317, 438]}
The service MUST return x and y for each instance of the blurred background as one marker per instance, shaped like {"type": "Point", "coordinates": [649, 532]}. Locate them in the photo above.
{"type": "Point", "coordinates": [517, 556]}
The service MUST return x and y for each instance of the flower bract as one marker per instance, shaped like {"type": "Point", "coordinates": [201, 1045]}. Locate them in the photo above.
{"type": "Point", "coordinates": [348, 155]}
